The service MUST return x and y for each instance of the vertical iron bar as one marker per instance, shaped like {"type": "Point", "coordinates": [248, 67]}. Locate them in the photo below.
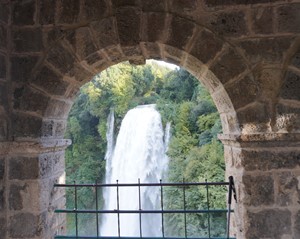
{"type": "Point", "coordinates": [118, 209]}
{"type": "Point", "coordinates": [162, 209]}
{"type": "Point", "coordinates": [75, 209]}
{"type": "Point", "coordinates": [97, 216]}
{"type": "Point", "coordinates": [184, 210]}
{"type": "Point", "coordinates": [229, 205]}
{"type": "Point", "coordinates": [140, 209]}
{"type": "Point", "coordinates": [208, 214]}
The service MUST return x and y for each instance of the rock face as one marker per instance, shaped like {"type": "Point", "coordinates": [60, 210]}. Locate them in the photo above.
{"type": "Point", "coordinates": [246, 52]}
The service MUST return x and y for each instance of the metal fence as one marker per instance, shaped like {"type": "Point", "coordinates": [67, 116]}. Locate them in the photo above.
{"type": "Point", "coordinates": [182, 186]}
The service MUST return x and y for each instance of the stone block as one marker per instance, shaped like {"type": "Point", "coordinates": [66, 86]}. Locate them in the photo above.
{"type": "Point", "coordinates": [289, 18]}
{"type": "Point", "coordinates": [80, 73]}
{"type": "Point", "coordinates": [60, 128]}
{"type": "Point", "coordinates": [2, 66]}
{"type": "Point", "coordinates": [206, 46]}
{"type": "Point", "coordinates": [153, 50]}
{"type": "Point", "coordinates": [296, 59]}
{"type": "Point", "coordinates": [223, 69]}
{"type": "Point", "coordinates": [287, 118]}
{"type": "Point", "coordinates": [15, 196]}
{"type": "Point", "coordinates": [155, 27]}
{"type": "Point", "coordinates": [173, 55]}
{"type": "Point", "coordinates": [288, 192]}
{"type": "Point", "coordinates": [58, 109]}
{"type": "Point", "coordinates": [243, 92]}
{"type": "Point", "coordinates": [47, 12]}
{"type": "Point", "coordinates": [50, 82]}
{"type": "Point", "coordinates": [3, 128]}
{"type": "Point", "coordinates": [94, 9]}
{"type": "Point", "coordinates": [22, 68]}
{"type": "Point", "coordinates": [3, 228]}
{"type": "Point", "coordinates": [93, 58]}
{"type": "Point", "coordinates": [217, 3]}
{"type": "Point", "coordinates": [128, 23]}
{"type": "Point", "coordinates": [185, 28]}
{"type": "Point", "coordinates": [3, 36]}
{"type": "Point", "coordinates": [27, 40]}
{"type": "Point", "coordinates": [297, 225]}
{"type": "Point", "coordinates": [259, 190]}
{"type": "Point", "coordinates": [84, 44]}
{"type": "Point", "coordinates": [153, 6]}
{"type": "Point", "coordinates": [2, 198]}
{"type": "Point", "coordinates": [26, 126]}
{"type": "Point", "coordinates": [4, 12]}
{"type": "Point", "coordinates": [23, 13]}
{"type": "Point", "coordinates": [24, 225]}
{"type": "Point", "coordinates": [105, 32]}
{"type": "Point", "coordinates": [270, 223]}
{"type": "Point", "coordinates": [28, 99]}
{"type": "Point", "coordinates": [229, 24]}
{"type": "Point", "coordinates": [2, 168]}
{"type": "Point", "coordinates": [3, 94]}
{"type": "Point", "coordinates": [118, 3]}
{"type": "Point", "coordinates": [47, 128]}
{"type": "Point", "coordinates": [184, 6]}
{"type": "Point", "coordinates": [262, 20]}
{"type": "Point", "coordinates": [69, 11]}
{"type": "Point", "coordinates": [61, 58]}
{"type": "Point", "coordinates": [23, 168]}
{"type": "Point", "coordinates": [291, 87]}
{"type": "Point", "coordinates": [265, 49]}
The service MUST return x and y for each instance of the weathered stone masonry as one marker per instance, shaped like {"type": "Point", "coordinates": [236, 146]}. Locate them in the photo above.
{"type": "Point", "coordinates": [247, 54]}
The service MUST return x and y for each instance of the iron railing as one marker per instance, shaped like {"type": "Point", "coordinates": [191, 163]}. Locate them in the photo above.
{"type": "Point", "coordinates": [184, 211]}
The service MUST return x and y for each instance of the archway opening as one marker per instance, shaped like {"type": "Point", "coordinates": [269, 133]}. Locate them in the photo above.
{"type": "Point", "coordinates": [195, 153]}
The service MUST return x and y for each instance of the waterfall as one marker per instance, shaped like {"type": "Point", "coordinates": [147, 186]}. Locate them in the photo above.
{"type": "Point", "coordinates": [139, 154]}
{"type": "Point", "coordinates": [110, 140]}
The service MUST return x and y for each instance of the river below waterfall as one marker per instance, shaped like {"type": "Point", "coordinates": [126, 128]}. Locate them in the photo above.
{"type": "Point", "coordinates": [139, 154]}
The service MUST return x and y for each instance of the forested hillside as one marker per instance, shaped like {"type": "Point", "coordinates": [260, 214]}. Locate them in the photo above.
{"type": "Point", "coordinates": [194, 151]}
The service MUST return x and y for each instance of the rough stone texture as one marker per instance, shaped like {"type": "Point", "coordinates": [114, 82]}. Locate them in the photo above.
{"type": "Point", "coordinates": [2, 168]}
{"type": "Point", "coordinates": [84, 44]}
{"type": "Point", "coordinates": [26, 126]}
{"type": "Point", "coordinates": [47, 12]}
{"type": "Point", "coordinates": [23, 168]}
{"type": "Point", "coordinates": [153, 5]}
{"type": "Point", "coordinates": [24, 225]}
{"type": "Point", "coordinates": [28, 99]}
{"type": "Point", "coordinates": [94, 9]}
{"type": "Point", "coordinates": [81, 74]}
{"type": "Point", "coordinates": [243, 92]}
{"type": "Point", "coordinates": [57, 109]}
{"type": "Point", "coordinates": [104, 32]}
{"type": "Point", "coordinates": [180, 25]}
{"type": "Point", "coordinates": [23, 13]}
{"type": "Point", "coordinates": [61, 58]}
{"type": "Point", "coordinates": [262, 20]}
{"type": "Point", "coordinates": [289, 18]}
{"type": "Point", "coordinates": [206, 46]}
{"type": "Point", "coordinates": [290, 88]}
{"type": "Point", "coordinates": [128, 23]}
{"type": "Point", "coordinates": [288, 192]}
{"type": "Point", "coordinates": [50, 82]}
{"type": "Point", "coordinates": [155, 27]}
{"type": "Point", "coordinates": [223, 69]}
{"type": "Point", "coordinates": [3, 36]}
{"type": "Point", "coordinates": [268, 160]}
{"type": "Point", "coordinates": [4, 12]}
{"type": "Point", "coordinates": [215, 3]}
{"type": "Point", "coordinates": [297, 225]}
{"type": "Point", "coordinates": [3, 227]}
{"type": "Point", "coordinates": [229, 24]}
{"type": "Point", "coordinates": [24, 66]}
{"type": "Point", "coordinates": [271, 50]}
{"type": "Point", "coordinates": [2, 198]}
{"type": "Point", "coordinates": [27, 40]}
{"type": "Point", "coordinates": [259, 190]}
{"type": "Point", "coordinates": [2, 66]}
{"type": "Point", "coordinates": [69, 10]}
{"type": "Point", "coordinates": [15, 196]}
{"type": "Point", "coordinates": [269, 224]}
{"type": "Point", "coordinates": [296, 59]}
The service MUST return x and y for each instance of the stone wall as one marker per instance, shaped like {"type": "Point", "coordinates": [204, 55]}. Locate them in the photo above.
{"type": "Point", "coordinates": [245, 52]}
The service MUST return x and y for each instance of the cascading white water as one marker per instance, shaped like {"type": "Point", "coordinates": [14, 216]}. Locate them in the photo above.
{"type": "Point", "coordinates": [139, 154]}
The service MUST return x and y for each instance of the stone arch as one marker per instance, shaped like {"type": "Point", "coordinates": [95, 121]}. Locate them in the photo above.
{"type": "Point", "coordinates": [48, 49]}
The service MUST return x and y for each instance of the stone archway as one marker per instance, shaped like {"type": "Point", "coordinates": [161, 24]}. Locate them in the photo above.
{"type": "Point", "coordinates": [247, 55]}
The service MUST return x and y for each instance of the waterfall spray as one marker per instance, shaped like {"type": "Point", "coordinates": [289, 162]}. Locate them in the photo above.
{"type": "Point", "coordinates": [139, 154]}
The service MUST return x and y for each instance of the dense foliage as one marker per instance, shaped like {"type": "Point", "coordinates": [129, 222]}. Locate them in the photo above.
{"type": "Point", "coordinates": [194, 151]}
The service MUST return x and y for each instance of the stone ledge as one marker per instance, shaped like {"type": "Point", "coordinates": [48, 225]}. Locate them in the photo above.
{"type": "Point", "coordinates": [34, 147]}
{"type": "Point", "coordinates": [261, 140]}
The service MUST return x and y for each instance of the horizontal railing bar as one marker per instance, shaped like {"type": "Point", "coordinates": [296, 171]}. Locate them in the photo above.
{"type": "Point", "coordinates": [143, 184]}
{"type": "Point", "coordinates": [140, 211]}
{"type": "Point", "coordinates": [111, 237]}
